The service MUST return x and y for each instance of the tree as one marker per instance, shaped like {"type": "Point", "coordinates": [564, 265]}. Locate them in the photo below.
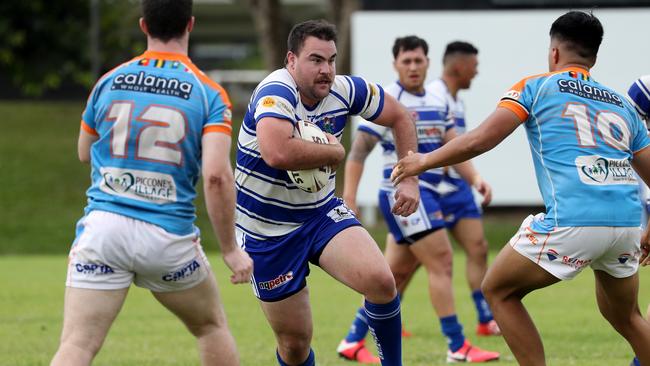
{"type": "Point", "coordinates": [44, 44]}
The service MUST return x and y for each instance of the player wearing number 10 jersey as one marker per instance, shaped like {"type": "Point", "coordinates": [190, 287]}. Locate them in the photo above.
{"type": "Point", "coordinates": [585, 140]}
{"type": "Point", "coordinates": [150, 127]}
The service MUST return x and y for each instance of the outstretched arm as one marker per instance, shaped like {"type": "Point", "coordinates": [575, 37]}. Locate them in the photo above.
{"type": "Point", "coordinates": [501, 123]}
{"type": "Point", "coordinates": [219, 191]}
{"type": "Point", "coordinates": [470, 174]}
{"type": "Point", "coordinates": [394, 115]}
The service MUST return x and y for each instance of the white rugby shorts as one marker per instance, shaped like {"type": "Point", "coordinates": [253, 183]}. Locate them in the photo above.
{"type": "Point", "coordinates": [111, 251]}
{"type": "Point", "coordinates": [565, 251]}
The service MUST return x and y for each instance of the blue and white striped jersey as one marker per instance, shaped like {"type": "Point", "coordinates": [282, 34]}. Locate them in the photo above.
{"type": "Point", "coordinates": [432, 121]}
{"type": "Point", "coordinates": [268, 203]}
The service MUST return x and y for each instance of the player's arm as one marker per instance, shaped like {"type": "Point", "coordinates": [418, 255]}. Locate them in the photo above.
{"type": "Point", "coordinates": [86, 139]}
{"type": "Point", "coordinates": [499, 125]}
{"type": "Point", "coordinates": [219, 191]}
{"type": "Point", "coordinates": [362, 145]}
{"type": "Point", "coordinates": [395, 116]}
{"type": "Point", "coordinates": [641, 164]}
{"type": "Point", "coordinates": [469, 173]}
{"type": "Point", "coordinates": [281, 150]}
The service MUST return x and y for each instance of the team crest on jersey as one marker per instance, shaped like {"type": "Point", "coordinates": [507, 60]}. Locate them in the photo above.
{"type": "Point", "coordinates": [329, 124]}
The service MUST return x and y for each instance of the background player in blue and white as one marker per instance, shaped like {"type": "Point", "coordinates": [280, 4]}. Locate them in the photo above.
{"type": "Point", "coordinates": [462, 215]}
{"type": "Point", "coordinates": [282, 227]}
{"type": "Point", "coordinates": [420, 237]}
{"type": "Point", "coordinates": [585, 139]}
{"type": "Point", "coordinates": [639, 94]}
{"type": "Point", "coordinates": [149, 126]}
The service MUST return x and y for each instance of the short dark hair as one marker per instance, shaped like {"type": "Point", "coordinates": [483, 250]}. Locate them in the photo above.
{"type": "Point", "coordinates": [581, 30]}
{"type": "Point", "coordinates": [409, 43]}
{"type": "Point", "coordinates": [458, 47]}
{"type": "Point", "coordinates": [320, 29]}
{"type": "Point", "coordinates": [166, 19]}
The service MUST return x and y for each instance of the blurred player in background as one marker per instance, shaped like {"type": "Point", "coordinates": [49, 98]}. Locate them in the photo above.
{"type": "Point", "coordinates": [284, 228]}
{"type": "Point", "coordinates": [639, 94]}
{"type": "Point", "coordinates": [420, 237]}
{"type": "Point", "coordinates": [585, 140]}
{"type": "Point", "coordinates": [151, 126]}
{"type": "Point", "coordinates": [462, 215]}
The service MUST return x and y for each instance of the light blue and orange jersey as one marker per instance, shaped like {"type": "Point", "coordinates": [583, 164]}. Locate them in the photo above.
{"type": "Point", "coordinates": [432, 118]}
{"type": "Point", "coordinates": [269, 204]}
{"type": "Point", "coordinates": [583, 137]}
{"type": "Point", "coordinates": [149, 115]}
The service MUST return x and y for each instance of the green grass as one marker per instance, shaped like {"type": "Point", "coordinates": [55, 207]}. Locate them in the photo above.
{"type": "Point", "coordinates": [42, 196]}
{"type": "Point", "coordinates": [146, 334]}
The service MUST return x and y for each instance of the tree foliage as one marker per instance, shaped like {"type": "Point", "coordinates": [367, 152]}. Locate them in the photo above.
{"type": "Point", "coordinates": [45, 44]}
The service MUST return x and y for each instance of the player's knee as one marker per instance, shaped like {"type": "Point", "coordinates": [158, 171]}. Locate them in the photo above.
{"type": "Point", "coordinates": [89, 346]}
{"type": "Point", "coordinates": [294, 345]}
{"type": "Point", "coordinates": [479, 249]}
{"type": "Point", "coordinates": [381, 287]}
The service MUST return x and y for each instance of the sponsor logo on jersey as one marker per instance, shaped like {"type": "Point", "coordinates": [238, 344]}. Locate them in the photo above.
{"type": "Point", "coordinates": [138, 184]}
{"type": "Point", "coordinates": [552, 254]}
{"type": "Point", "coordinates": [268, 102]}
{"type": "Point", "coordinates": [183, 272]}
{"type": "Point", "coordinates": [281, 280]}
{"type": "Point", "coordinates": [147, 83]}
{"type": "Point", "coordinates": [227, 114]}
{"type": "Point", "coordinates": [93, 268]}
{"type": "Point", "coordinates": [598, 170]}
{"type": "Point", "coordinates": [584, 90]}
{"type": "Point", "coordinates": [512, 94]}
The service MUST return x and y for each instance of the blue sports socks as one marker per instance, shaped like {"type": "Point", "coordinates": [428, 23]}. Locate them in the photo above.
{"type": "Point", "coordinates": [482, 307]}
{"type": "Point", "coordinates": [385, 324]}
{"type": "Point", "coordinates": [452, 329]}
{"type": "Point", "coordinates": [359, 327]}
{"type": "Point", "coordinates": [310, 361]}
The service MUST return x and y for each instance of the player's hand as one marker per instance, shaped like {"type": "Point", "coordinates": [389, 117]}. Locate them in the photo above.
{"type": "Point", "coordinates": [484, 189]}
{"type": "Point", "coordinates": [332, 140]}
{"type": "Point", "coordinates": [645, 247]}
{"type": "Point", "coordinates": [240, 264]}
{"type": "Point", "coordinates": [407, 197]}
{"type": "Point", "coordinates": [409, 166]}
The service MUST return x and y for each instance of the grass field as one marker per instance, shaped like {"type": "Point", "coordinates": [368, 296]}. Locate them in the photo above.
{"type": "Point", "coordinates": [42, 196]}
{"type": "Point", "coordinates": [146, 334]}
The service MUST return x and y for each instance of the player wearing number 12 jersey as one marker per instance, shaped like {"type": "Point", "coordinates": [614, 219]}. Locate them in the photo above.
{"type": "Point", "coordinates": [150, 127]}
{"type": "Point", "coordinates": [585, 140]}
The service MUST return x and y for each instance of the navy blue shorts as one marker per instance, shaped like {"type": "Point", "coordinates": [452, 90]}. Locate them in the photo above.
{"type": "Point", "coordinates": [459, 204]}
{"type": "Point", "coordinates": [426, 219]}
{"type": "Point", "coordinates": [281, 264]}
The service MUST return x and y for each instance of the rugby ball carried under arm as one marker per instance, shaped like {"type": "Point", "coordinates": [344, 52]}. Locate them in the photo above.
{"type": "Point", "coordinates": [310, 180]}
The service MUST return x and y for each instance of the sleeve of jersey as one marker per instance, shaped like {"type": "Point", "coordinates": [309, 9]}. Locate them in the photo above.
{"type": "Point", "coordinates": [516, 100]}
{"type": "Point", "coordinates": [88, 123]}
{"type": "Point", "coordinates": [640, 139]}
{"type": "Point", "coordinates": [372, 128]}
{"type": "Point", "coordinates": [275, 100]}
{"type": "Point", "coordinates": [220, 114]}
{"type": "Point", "coordinates": [366, 98]}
